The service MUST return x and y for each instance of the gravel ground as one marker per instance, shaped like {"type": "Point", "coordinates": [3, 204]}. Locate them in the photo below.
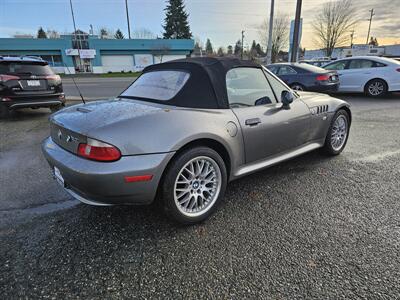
{"type": "Point", "coordinates": [312, 227]}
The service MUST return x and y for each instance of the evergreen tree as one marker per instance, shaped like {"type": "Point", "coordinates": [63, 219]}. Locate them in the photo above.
{"type": "Point", "coordinates": [41, 34]}
{"type": "Point", "coordinates": [230, 50]}
{"type": "Point", "coordinates": [209, 47]}
{"type": "Point", "coordinates": [119, 35]}
{"type": "Point", "coordinates": [176, 21]}
{"type": "Point", "coordinates": [238, 48]}
{"type": "Point", "coordinates": [253, 46]}
{"type": "Point", "coordinates": [220, 51]}
{"type": "Point", "coordinates": [197, 49]}
{"type": "Point", "coordinates": [259, 50]}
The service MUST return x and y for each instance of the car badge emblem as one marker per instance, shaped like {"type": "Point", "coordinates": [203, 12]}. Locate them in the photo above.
{"type": "Point", "coordinates": [33, 76]}
{"type": "Point", "coordinates": [68, 138]}
{"type": "Point", "coordinates": [59, 134]}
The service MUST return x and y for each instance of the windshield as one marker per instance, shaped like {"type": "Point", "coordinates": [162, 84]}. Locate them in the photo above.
{"type": "Point", "coordinates": [157, 85]}
{"type": "Point", "coordinates": [25, 68]}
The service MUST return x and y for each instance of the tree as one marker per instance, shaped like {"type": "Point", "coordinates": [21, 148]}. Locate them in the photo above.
{"type": "Point", "coordinates": [52, 34]}
{"type": "Point", "coordinates": [280, 35]}
{"type": "Point", "coordinates": [41, 34]}
{"type": "Point", "coordinates": [259, 50]}
{"type": "Point", "coordinates": [119, 35]}
{"type": "Point", "coordinates": [333, 23]}
{"type": "Point", "coordinates": [103, 33]}
{"type": "Point", "coordinates": [160, 49]}
{"type": "Point", "coordinates": [220, 51]}
{"type": "Point", "coordinates": [238, 48]}
{"type": "Point", "coordinates": [373, 42]}
{"type": "Point", "coordinates": [143, 33]}
{"type": "Point", "coordinates": [197, 50]}
{"type": "Point", "coordinates": [209, 47]}
{"type": "Point", "coordinates": [229, 50]}
{"type": "Point", "coordinates": [176, 21]}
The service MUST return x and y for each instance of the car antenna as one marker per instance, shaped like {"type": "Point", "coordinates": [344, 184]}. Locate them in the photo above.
{"type": "Point", "coordinates": [77, 88]}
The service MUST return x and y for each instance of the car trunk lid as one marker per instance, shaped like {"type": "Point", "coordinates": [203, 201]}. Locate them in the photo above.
{"type": "Point", "coordinates": [77, 122]}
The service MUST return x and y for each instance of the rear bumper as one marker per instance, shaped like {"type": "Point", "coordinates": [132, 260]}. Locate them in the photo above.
{"type": "Point", "coordinates": [329, 87]}
{"type": "Point", "coordinates": [34, 101]}
{"type": "Point", "coordinates": [102, 183]}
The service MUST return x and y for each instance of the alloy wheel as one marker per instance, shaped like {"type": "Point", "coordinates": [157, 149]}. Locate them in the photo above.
{"type": "Point", "coordinates": [376, 88]}
{"type": "Point", "coordinates": [197, 186]}
{"type": "Point", "coordinates": [339, 132]}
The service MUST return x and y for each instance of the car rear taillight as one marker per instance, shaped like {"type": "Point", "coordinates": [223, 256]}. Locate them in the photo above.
{"type": "Point", "coordinates": [322, 77]}
{"type": "Point", "coordinates": [100, 151]}
{"type": "Point", "coordinates": [53, 77]}
{"type": "Point", "coordinates": [4, 77]}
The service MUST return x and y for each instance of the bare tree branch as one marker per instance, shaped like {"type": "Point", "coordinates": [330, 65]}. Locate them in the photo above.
{"type": "Point", "coordinates": [280, 34]}
{"type": "Point", "coordinates": [333, 24]}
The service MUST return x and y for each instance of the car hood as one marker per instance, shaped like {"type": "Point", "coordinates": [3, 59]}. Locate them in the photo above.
{"type": "Point", "coordinates": [87, 118]}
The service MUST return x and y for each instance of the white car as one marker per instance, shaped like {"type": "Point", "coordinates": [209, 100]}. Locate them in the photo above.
{"type": "Point", "coordinates": [375, 76]}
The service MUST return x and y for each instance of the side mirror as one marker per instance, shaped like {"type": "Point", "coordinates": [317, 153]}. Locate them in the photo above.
{"type": "Point", "coordinates": [287, 98]}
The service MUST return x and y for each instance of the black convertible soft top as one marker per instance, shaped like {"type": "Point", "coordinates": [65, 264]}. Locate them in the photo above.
{"type": "Point", "coordinates": [206, 87]}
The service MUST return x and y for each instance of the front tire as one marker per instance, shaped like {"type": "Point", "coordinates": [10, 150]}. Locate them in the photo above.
{"type": "Point", "coordinates": [193, 185]}
{"type": "Point", "coordinates": [297, 87]}
{"type": "Point", "coordinates": [338, 133]}
{"type": "Point", "coordinates": [5, 113]}
{"type": "Point", "coordinates": [376, 88]}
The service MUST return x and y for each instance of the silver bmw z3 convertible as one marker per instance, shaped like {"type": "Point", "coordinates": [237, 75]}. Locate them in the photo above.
{"type": "Point", "coordinates": [185, 128]}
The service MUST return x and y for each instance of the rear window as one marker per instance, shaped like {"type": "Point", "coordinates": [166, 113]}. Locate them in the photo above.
{"type": "Point", "coordinates": [157, 85]}
{"type": "Point", "coordinates": [25, 68]}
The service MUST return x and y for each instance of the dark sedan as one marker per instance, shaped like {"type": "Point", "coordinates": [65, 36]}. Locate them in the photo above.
{"type": "Point", "coordinates": [304, 77]}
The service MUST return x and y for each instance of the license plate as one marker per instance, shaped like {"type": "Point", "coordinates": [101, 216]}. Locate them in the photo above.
{"type": "Point", "coordinates": [334, 78]}
{"type": "Point", "coordinates": [58, 176]}
{"type": "Point", "coordinates": [33, 82]}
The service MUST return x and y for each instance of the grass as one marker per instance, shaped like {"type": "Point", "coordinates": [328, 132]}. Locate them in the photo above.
{"type": "Point", "coordinates": [121, 74]}
{"type": "Point", "coordinates": [105, 75]}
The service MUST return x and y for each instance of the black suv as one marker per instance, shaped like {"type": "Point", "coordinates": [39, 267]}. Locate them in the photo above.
{"type": "Point", "coordinates": [28, 82]}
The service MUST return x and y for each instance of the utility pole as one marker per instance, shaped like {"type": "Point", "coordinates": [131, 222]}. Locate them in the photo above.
{"type": "Point", "coordinates": [78, 42]}
{"type": "Point", "coordinates": [351, 38]}
{"type": "Point", "coordinates": [296, 31]}
{"type": "Point", "coordinates": [270, 30]}
{"type": "Point", "coordinates": [241, 53]}
{"type": "Point", "coordinates": [127, 18]}
{"type": "Point", "coordinates": [370, 21]}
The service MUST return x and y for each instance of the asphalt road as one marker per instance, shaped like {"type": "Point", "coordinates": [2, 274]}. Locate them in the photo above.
{"type": "Point", "coordinates": [313, 227]}
{"type": "Point", "coordinates": [95, 87]}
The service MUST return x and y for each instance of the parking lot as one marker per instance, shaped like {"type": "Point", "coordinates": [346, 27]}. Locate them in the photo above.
{"type": "Point", "coordinates": [312, 227]}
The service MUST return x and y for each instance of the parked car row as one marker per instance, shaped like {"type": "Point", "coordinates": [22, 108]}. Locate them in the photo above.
{"type": "Point", "coordinates": [374, 76]}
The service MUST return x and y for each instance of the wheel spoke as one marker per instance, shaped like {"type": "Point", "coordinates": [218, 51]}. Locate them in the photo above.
{"type": "Point", "coordinates": [197, 186]}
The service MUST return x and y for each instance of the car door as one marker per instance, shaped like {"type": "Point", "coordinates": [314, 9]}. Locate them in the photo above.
{"type": "Point", "coordinates": [341, 68]}
{"type": "Point", "coordinates": [358, 73]}
{"type": "Point", "coordinates": [268, 128]}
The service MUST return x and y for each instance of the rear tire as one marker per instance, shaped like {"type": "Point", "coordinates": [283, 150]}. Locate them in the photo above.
{"type": "Point", "coordinates": [5, 113]}
{"type": "Point", "coordinates": [338, 133]}
{"type": "Point", "coordinates": [297, 87]}
{"type": "Point", "coordinates": [376, 88]}
{"type": "Point", "coordinates": [193, 185]}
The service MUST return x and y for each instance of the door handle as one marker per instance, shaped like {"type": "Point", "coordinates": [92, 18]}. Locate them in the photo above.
{"type": "Point", "coordinates": [253, 122]}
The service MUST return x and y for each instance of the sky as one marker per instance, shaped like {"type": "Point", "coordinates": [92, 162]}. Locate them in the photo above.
{"type": "Point", "coordinates": [220, 20]}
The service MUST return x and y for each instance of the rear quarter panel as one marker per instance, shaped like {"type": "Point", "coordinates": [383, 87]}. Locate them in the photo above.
{"type": "Point", "coordinates": [172, 129]}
